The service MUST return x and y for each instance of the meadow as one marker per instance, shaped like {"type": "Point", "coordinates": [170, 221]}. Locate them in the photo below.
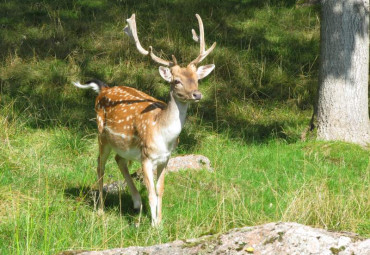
{"type": "Point", "coordinates": [256, 105]}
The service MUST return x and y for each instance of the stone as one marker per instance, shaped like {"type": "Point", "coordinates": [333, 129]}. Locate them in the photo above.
{"type": "Point", "coordinates": [175, 164]}
{"type": "Point", "coordinates": [193, 162]}
{"type": "Point", "coordinates": [273, 238]}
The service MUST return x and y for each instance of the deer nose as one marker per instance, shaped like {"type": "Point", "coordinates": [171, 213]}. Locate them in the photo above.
{"type": "Point", "coordinates": [197, 95]}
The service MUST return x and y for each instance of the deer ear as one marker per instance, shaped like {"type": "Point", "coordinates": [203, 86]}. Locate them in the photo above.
{"type": "Point", "coordinates": [203, 71]}
{"type": "Point", "coordinates": [165, 73]}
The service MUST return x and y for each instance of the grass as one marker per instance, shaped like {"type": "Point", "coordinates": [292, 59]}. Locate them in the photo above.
{"type": "Point", "coordinates": [257, 102]}
{"type": "Point", "coordinates": [46, 206]}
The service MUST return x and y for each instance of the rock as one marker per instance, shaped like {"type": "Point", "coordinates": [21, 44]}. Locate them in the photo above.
{"type": "Point", "coordinates": [272, 238]}
{"type": "Point", "coordinates": [114, 187]}
{"type": "Point", "coordinates": [175, 164]}
{"type": "Point", "coordinates": [194, 162]}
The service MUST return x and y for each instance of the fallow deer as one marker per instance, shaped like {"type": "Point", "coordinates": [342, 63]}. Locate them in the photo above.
{"type": "Point", "coordinates": [139, 127]}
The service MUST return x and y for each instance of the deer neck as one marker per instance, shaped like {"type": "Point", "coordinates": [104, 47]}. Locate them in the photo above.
{"type": "Point", "coordinates": [173, 118]}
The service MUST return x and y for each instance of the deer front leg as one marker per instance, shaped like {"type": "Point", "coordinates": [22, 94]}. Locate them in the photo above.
{"type": "Point", "coordinates": [149, 183]}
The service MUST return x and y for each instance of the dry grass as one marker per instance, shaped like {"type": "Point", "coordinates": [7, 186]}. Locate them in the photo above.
{"type": "Point", "coordinates": [315, 204]}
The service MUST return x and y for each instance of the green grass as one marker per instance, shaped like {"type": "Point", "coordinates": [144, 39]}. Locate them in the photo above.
{"type": "Point", "coordinates": [46, 206]}
{"type": "Point", "coordinates": [257, 103]}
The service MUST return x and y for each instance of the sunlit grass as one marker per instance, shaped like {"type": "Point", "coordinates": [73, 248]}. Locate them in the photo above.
{"type": "Point", "coordinates": [47, 207]}
{"type": "Point", "coordinates": [256, 104]}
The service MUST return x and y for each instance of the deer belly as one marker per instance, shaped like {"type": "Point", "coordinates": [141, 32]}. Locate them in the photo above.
{"type": "Point", "coordinates": [125, 146]}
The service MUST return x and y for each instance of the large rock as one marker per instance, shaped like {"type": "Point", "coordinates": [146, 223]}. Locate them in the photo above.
{"type": "Point", "coordinates": [272, 238]}
{"type": "Point", "coordinates": [175, 164]}
{"type": "Point", "coordinates": [192, 161]}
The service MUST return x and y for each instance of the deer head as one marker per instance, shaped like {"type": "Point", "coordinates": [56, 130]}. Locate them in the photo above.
{"type": "Point", "coordinates": [183, 80]}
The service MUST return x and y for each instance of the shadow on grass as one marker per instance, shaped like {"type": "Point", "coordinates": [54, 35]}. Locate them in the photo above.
{"type": "Point", "coordinates": [119, 200]}
{"type": "Point", "coordinates": [245, 130]}
{"type": "Point", "coordinates": [46, 41]}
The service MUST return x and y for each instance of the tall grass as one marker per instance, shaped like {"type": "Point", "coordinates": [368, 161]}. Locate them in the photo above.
{"type": "Point", "coordinates": [257, 102]}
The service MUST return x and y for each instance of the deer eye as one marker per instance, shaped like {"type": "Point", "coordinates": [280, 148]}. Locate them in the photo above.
{"type": "Point", "coordinates": [177, 82]}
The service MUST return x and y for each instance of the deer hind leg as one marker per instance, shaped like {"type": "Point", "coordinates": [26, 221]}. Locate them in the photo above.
{"type": "Point", "coordinates": [159, 190]}
{"type": "Point", "coordinates": [104, 151]}
{"type": "Point", "coordinates": [136, 198]}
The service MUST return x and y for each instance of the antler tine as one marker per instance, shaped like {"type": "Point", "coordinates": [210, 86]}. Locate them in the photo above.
{"type": "Point", "coordinates": [174, 60]}
{"type": "Point", "coordinates": [201, 33]}
{"type": "Point", "coordinates": [203, 53]}
{"type": "Point", "coordinates": [195, 36]}
{"type": "Point", "coordinates": [158, 59]}
{"type": "Point", "coordinates": [131, 31]}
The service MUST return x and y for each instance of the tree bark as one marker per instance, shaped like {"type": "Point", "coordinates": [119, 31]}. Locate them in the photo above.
{"type": "Point", "coordinates": [342, 110]}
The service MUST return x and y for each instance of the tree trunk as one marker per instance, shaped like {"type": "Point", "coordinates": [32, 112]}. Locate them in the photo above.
{"type": "Point", "coordinates": [342, 110]}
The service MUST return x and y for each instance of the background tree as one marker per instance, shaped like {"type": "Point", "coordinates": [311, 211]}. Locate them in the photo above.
{"type": "Point", "coordinates": [342, 110]}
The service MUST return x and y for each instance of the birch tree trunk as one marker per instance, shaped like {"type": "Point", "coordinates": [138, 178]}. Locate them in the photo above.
{"type": "Point", "coordinates": [342, 109]}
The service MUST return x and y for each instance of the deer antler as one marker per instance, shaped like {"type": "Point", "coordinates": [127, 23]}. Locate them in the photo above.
{"type": "Point", "coordinates": [203, 53]}
{"type": "Point", "coordinates": [131, 31]}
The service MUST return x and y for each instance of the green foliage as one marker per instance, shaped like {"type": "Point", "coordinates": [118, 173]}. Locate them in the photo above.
{"type": "Point", "coordinates": [257, 102]}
